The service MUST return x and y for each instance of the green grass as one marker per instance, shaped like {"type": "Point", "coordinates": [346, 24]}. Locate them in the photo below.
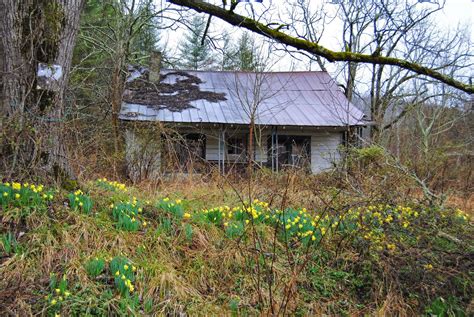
{"type": "Point", "coordinates": [126, 251]}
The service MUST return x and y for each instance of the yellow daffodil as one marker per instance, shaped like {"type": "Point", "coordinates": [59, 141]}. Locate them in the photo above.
{"type": "Point", "coordinates": [17, 196]}
{"type": "Point", "coordinates": [187, 215]}
{"type": "Point", "coordinates": [428, 266]}
{"type": "Point", "coordinates": [16, 186]}
{"type": "Point", "coordinates": [391, 246]}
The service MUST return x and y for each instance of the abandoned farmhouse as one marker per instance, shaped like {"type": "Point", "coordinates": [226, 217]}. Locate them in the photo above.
{"type": "Point", "coordinates": [296, 119]}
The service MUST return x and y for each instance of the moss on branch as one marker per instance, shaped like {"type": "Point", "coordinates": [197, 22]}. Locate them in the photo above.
{"type": "Point", "coordinates": [316, 49]}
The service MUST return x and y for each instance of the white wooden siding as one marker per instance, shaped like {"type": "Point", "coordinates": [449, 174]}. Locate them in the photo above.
{"type": "Point", "coordinates": [324, 150]}
{"type": "Point", "coordinates": [324, 146]}
{"type": "Point", "coordinates": [212, 147]}
{"type": "Point", "coordinates": [143, 156]}
{"type": "Point", "coordinates": [261, 147]}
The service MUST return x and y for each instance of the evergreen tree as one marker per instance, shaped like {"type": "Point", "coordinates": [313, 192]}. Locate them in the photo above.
{"type": "Point", "coordinates": [247, 55]}
{"type": "Point", "coordinates": [239, 55]}
{"type": "Point", "coordinates": [229, 53]}
{"type": "Point", "coordinates": [194, 53]}
{"type": "Point", "coordinates": [146, 34]}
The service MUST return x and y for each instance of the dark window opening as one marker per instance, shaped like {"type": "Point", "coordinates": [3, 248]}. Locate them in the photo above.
{"type": "Point", "coordinates": [186, 151]}
{"type": "Point", "coordinates": [290, 151]}
{"type": "Point", "coordinates": [195, 145]}
{"type": "Point", "coordinates": [235, 145]}
{"type": "Point", "coordinates": [236, 148]}
{"type": "Point", "coordinates": [351, 137]}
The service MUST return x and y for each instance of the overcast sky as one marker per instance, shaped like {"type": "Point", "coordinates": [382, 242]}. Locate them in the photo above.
{"type": "Point", "coordinates": [455, 12]}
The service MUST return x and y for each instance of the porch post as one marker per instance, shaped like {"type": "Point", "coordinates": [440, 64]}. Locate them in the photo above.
{"type": "Point", "coordinates": [221, 149]}
{"type": "Point", "coordinates": [272, 154]}
{"type": "Point", "coordinates": [274, 149]}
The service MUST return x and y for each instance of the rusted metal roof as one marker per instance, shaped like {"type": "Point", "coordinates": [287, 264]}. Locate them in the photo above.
{"type": "Point", "coordinates": [271, 98]}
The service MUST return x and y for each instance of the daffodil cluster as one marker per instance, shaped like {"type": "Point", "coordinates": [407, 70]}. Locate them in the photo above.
{"type": "Point", "coordinates": [374, 221]}
{"type": "Point", "coordinates": [128, 215]}
{"type": "Point", "coordinates": [59, 292]}
{"type": "Point", "coordinates": [292, 223]}
{"type": "Point", "coordinates": [95, 266]}
{"type": "Point", "coordinates": [111, 185]}
{"type": "Point", "coordinates": [174, 208]}
{"type": "Point", "coordinates": [80, 201]}
{"type": "Point", "coordinates": [124, 274]}
{"type": "Point", "coordinates": [461, 214]}
{"type": "Point", "coordinates": [369, 222]}
{"type": "Point", "coordinates": [23, 194]}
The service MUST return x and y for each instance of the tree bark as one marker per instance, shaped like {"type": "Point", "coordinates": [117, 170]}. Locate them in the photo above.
{"type": "Point", "coordinates": [58, 161]}
{"type": "Point", "coordinates": [33, 32]}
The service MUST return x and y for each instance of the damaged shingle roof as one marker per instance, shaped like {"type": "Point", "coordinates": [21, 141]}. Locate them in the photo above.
{"type": "Point", "coordinates": [278, 98]}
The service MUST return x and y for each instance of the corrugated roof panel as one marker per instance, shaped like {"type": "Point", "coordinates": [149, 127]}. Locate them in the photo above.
{"type": "Point", "coordinates": [211, 111]}
{"type": "Point", "coordinates": [287, 98]}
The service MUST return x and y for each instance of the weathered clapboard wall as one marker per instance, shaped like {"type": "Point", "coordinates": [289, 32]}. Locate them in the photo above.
{"type": "Point", "coordinates": [324, 150]}
{"type": "Point", "coordinates": [143, 152]}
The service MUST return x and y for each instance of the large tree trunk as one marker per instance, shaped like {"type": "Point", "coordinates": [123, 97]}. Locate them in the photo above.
{"type": "Point", "coordinates": [33, 32]}
{"type": "Point", "coordinates": [58, 160]}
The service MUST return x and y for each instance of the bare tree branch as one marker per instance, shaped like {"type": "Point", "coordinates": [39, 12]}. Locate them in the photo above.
{"type": "Point", "coordinates": [316, 49]}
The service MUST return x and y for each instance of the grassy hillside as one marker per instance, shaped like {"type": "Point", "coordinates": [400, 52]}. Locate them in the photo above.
{"type": "Point", "coordinates": [105, 249]}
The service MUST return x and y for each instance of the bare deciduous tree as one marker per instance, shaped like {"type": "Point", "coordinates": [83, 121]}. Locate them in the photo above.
{"type": "Point", "coordinates": [406, 31]}
{"type": "Point", "coordinates": [253, 24]}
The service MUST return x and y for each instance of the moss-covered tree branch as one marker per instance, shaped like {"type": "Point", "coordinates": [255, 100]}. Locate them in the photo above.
{"type": "Point", "coordinates": [316, 49]}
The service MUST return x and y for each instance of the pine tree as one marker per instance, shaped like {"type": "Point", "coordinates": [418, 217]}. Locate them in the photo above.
{"type": "Point", "coordinates": [247, 55]}
{"type": "Point", "coordinates": [147, 36]}
{"type": "Point", "coordinates": [238, 55]}
{"type": "Point", "coordinates": [193, 53]}
{"type": "Point", "coordinates": [229, 53]}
